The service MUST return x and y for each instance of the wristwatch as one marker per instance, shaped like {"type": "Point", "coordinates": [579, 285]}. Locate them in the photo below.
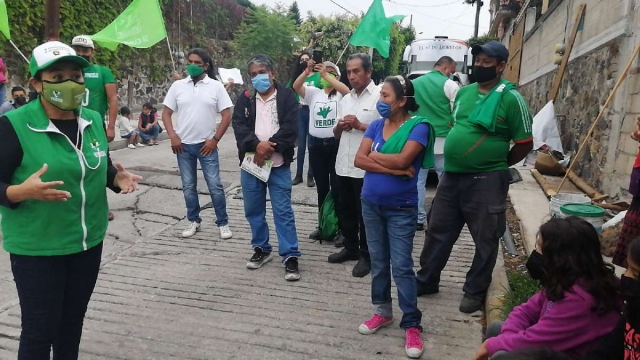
{"type": "Point", "coordinates": [216, 138]}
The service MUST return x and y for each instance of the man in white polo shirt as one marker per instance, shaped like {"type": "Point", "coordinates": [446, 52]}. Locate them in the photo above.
{"type": "Point", "coordinates": [197, 99]}
{"type": "Point", "coordinates": [355, 112]}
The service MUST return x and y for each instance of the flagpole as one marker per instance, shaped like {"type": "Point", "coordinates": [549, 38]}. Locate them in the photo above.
{"type": "Point", "coordinates": [18, 50]}
{"type": "Point", "coordinates": [343, 51]}
{"type": "Point", "coordinates": [171, 55]}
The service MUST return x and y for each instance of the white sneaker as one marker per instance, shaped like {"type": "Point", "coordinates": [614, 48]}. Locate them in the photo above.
{"type": "Point", "coordinates": [131, 146]}
{"type": "Point", "coordinates": [139, 145]}
{"type": "Point", "coordinates": [225, 232]}
{"type": "Point", "coordinates": [191, 230]}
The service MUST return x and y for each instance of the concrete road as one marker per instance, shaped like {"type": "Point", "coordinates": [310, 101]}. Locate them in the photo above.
{"type": "Point", "coordinates": [160, 296]}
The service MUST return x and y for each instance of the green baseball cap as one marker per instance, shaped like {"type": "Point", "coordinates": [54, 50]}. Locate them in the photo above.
{"type": "Point", "coordinates": [51, 52]}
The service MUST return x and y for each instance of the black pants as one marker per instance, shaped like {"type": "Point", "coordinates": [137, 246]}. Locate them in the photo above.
{"type": "Point", "coordinates": [349, 211]}
{"type": "Point", "coordinates": [54, 292]}
{"type": "Point", "coordinates": [322, 158]}
{"type": "Point", "coordinates": [478, 200]}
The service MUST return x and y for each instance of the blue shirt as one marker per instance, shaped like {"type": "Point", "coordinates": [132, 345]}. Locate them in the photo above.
{"type": "Point", "coordinates": [392, 190]}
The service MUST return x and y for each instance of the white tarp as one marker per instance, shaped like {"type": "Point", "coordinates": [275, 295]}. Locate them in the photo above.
{"type": "Point", "coordinates": [226, 74]}
{"type": "Point", "coordinates": [545, 129]}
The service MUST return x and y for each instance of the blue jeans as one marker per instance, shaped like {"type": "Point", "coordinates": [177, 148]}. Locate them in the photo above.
{"type": "Point", "coordinates": [390, 232]}
{"type": "Point", "coordinates": [151, 134]}
{"type": "Point", "coordinates": [303, 135]}
{"type": "Point", "coordinates": [254, 192]}
{"type": "Point", "coordinates": [422, 182]}
{"type": "Point", "coordinates": [188, 165]}
{"type": "Point", "coordinates": [3, 92]}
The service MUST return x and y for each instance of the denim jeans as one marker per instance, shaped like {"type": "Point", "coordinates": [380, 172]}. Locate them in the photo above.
{"type": "Point", "coordinates": [422, 183]}
{"type": "Point", "coordinates": [3, 92]}
{"type": "Point", "coordinates": [303, 135]}
{"type": "Point", "coordinates": [188, 165]}
{"type": "Point", "coordinates": [390, 232]}
{"type": "Point", "coordinates": [322, 158]}
{"type": "Point", "coordinates": [254, 192]}
{"type": "Point", "coordinates": [150, 134]}
{"type": "Point", "coordinates": [54, 292]}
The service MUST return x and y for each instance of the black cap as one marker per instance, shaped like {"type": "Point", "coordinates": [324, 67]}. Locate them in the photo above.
{"type": "Point", "coordinates": [492, 48]}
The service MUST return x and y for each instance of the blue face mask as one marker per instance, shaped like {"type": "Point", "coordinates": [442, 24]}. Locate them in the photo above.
{"type": "Point", "coordinates": [384, 109]}
{"type": "Point", "coordinates": [261, 82]}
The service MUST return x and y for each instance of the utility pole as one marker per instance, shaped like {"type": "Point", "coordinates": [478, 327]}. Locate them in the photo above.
{"type": "Point", "coordinates": [52, 20]}
{"type": "Point", "coordinates": [479, 4]}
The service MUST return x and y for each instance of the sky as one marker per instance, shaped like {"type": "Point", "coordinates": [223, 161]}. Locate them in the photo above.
{"type": "Point", "coordinates": [452, 18]}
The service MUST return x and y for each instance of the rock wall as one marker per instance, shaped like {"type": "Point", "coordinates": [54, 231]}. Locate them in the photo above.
{"type": "Point", "coordinates": [584, 89]}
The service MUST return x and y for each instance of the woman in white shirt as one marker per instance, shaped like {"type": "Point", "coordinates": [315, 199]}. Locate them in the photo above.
{"type": "Point", "coordinates": [323, 106]}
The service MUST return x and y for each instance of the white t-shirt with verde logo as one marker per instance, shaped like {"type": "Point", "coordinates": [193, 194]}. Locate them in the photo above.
{"type": "Point", "coordinates": [323, 112]}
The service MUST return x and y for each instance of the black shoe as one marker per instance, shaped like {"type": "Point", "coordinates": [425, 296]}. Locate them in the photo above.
{"type": "Point", "coordinates": [363, 267]}
{"type": "Point", "coordinates": [291, 272]}
{"type": "Point", "coordinates": [258, 259]}
{"type": "Point", "coordinates": [315, 235]}
{"type": "Point", "coordinates": [419, 227]}
{"type": "Point", "coordinates": [469, 305]}
{"type": "Point", "coordinates": [339, 240]}
{"type": "Point", "coordinates": [426, 290]}
{"type": "Point", "coordinates": [297, 180]}
{"type": "Point", "coordinates": [310, 181]}
{"type": "Point", "coordinates": [342, 256]}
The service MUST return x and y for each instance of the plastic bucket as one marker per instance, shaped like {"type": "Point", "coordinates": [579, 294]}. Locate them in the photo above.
{"type": "Point", "coordinates": [591, 213]}
{"type": "Point", "coordinates": [562, 199]}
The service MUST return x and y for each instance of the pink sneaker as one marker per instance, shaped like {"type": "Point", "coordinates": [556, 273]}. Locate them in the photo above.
{"type": "Point", "coordinates": [413, 343]}
{"type": "Point", "coordinates": [374, 324]}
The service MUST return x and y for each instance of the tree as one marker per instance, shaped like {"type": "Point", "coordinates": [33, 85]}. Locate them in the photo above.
{"type": "Point", "coordinates": [246, 3]}
{"type": "Point", "coordinates": [480, 40]}
{"type": "Point", "coordinates": [268, 31]}
{"type": "Point", "coordinates": [294, 13]}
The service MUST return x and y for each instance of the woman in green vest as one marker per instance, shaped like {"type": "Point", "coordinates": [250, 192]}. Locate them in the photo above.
{"type": "Point", "coordinates": [54, 168]}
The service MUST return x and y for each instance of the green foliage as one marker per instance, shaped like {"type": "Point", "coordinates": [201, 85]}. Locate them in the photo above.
{"type": "Point", "coordinates": [337, 31]}
{"type": "Point", "coordinates": [246, 3]}
{"type": "Point", "coordinates": [268, 31]}
{"type": "Point", "coordinates": [294, 13]}
{"type": "Point", "coordinates": [480, 40]}
{"type": "Point", "coordinates": [522, 288]}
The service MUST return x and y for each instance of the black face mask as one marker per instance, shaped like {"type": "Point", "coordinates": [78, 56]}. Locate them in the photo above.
{"type": "Point", "coordinates": [631, 295]}
{"type": "Point", "coordinates": [484, 74]}
{"type": "Point", "coordinates": [535, 266]}
{"type": "Point", "coordinates": [303, 65]}
{"type": "Point", "coordinates": [20, 100]}
{"type": "Point", "coordinates": [88, 58]}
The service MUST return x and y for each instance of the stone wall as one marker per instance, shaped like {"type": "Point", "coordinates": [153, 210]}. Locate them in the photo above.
{"type": "Point", "coordinates": [584, 89]}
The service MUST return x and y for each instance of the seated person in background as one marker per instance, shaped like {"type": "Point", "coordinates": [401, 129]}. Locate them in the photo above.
{"type": "Point", "coordinates": [19, 98]}
{"type": "Point", "coordinates": [148, 126]}
{"type": "Point", "coordinates": [126, 130]}
{"type": "Point", "coordinates": [578, 303]}
{"type": "Point", "coordinates": [622, 343]}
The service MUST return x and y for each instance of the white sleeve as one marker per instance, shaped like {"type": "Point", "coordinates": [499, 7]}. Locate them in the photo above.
{"type": "Point", "coordinates": [224, 101]}
{"type": "Point", "coordinates": [170, 99]}
{"type": "Point", "coordinates": [451, 90]}
{"type": "Point", "coordinates": [309, 93]}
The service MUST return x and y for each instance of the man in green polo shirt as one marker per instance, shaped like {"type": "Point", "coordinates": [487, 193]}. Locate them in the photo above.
{"type": "Point", "coordinates": [435, 94]}
{"type": "Point", "coordinates": [101, 93]}
{"type": "Point", "coordinates": [487, 117]}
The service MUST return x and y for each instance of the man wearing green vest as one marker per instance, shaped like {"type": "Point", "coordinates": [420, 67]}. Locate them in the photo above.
{"type": "Point", "coordinates": [435, 93]}
{"type": "Point", "coordinates": [487, 117]}
{"type": "Point", "coordinates": [101, 92]}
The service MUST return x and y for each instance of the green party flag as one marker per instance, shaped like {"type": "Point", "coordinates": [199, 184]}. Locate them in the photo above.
{"type": "Point", "coordinates": [140, 26]}
{"type": "Point", "coordinates": [374, 29]}
{"type": "Point", "coordinates": [4, 20]}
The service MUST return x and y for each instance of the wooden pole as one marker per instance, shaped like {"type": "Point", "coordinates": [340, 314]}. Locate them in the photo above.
{"type": "Point", "coordinates": [582, 185]}
{"type": "Point", "coordinates": [52, 20]}
{"type": "Point", "coordinates": [545, 6]}
{"type": "Point", "coordinates": [557, 80]}
{"type": "Point", "coordinates": [544, 184]}
{"type": "Point", "coordinates": [623, 75]}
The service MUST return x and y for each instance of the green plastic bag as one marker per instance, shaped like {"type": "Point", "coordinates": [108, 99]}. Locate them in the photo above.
{"type": "Point", "coordinates": [327, 218]}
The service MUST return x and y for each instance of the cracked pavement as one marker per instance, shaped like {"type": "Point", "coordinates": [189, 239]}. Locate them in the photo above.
{"type": "Point", "coordinates": [159, 296]}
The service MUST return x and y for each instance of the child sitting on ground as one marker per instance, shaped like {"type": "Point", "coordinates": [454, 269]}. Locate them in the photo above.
{"type": "Point", "coordinates": [126, 130]}
{"type": "Point", "coordinates": [579, 301]}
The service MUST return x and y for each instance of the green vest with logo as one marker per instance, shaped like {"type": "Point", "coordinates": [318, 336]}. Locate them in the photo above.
{"type": "Point", "coordinates": [432, 101]}
{"type": "Point", "coordinates": [39, 228]}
